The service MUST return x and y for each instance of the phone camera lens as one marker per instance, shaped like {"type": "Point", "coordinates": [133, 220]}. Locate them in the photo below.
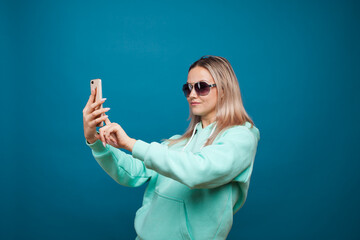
{"type": "Point", "coordinates": [92, 82]}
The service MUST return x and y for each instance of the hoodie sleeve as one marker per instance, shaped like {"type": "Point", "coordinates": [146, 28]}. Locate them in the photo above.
{"type": "Point", "coordinates": [122, 167]}
{"type": "Point", "coordinates": [215, 165]}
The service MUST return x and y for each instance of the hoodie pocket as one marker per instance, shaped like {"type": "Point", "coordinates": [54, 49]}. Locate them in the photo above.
{"type": "Point", "coordinates": [163, 218]}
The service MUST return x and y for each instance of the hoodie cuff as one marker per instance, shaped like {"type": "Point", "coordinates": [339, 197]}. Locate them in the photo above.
{"type": "Point", "coordinates": [96, 146]}
{"type": "Point", "coordinates": [140, 149]}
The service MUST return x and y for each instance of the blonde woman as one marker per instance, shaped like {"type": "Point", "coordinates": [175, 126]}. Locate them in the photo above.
{"type": "Point", "coordinates": [196, 181]}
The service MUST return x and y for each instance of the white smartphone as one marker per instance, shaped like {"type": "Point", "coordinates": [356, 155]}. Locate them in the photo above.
{"type": "Point", "coordinates": [96, 84]}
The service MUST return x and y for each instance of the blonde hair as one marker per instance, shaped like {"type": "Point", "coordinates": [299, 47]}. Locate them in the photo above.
{"type": "Point", "coordinates": [229, 107]}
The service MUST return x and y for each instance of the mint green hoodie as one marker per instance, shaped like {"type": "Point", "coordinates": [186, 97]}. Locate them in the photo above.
{"type": "Point", "coordinates": [192, 193]}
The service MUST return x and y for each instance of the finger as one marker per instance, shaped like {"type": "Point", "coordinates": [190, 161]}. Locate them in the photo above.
{"type": "Point", "coordinates": [114, 140]}
{"type": "Point", "coordinates": [91, 98]}
{"type": "Point", "coordinates": [112, 143]}
{"type": "Point", "coordinates": [95, 92]}
{"type": "Point", "coordinates": [102, 135]}
{"type": "Point", "coordinates": [110, 131]}
{"type": "Point", "coordinates": [96, 113]}
{"type": "Point", "coordinates": [96, 121]}
{"type": "Point", "coordinates": [97, 135]}
{"type": "Point", "coordinates": [97, 103]}
{"type": "Point", "coordinates": [107, 121]}
{"type": "Point", "coordinates": [107, 134]}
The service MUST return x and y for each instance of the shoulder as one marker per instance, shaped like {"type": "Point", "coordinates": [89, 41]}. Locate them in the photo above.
{"type": "Point", "coordinates": [238, 133]}
{"type": "Point", "coordinates": [177, 136]}
{"type": "Point", "coordinates": [238, 129]}
{"type": "Point", "coordinates": [174, 137]}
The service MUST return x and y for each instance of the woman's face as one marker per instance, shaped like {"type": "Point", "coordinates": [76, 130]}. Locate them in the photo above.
{"type": "Point", "coordinates": [203, 106]}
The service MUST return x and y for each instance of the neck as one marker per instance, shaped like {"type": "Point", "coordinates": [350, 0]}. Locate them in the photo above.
{"type": "Point", "coordinates": [207, 121]}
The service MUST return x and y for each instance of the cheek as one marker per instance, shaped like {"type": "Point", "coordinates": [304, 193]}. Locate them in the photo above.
{"type": "Point", "coordinates": [214, 99]}
{"type": "Point", "coordinates": [214, 103]}
{"type": "Point", "coordinates": [210, 104]}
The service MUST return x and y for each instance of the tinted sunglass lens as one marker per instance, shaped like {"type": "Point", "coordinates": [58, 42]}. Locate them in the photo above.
{"type": "Point", "coordinates": [202, 88]}
{"type": "Point", "coordinates": [186, 90]}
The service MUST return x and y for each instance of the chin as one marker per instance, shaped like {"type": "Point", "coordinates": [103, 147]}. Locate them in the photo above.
{"type": "Point", "coordinates": [197, 113]}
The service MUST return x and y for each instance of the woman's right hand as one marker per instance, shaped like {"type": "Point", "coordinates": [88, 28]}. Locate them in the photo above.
{"type": "Point", "coordinates": [92, 117]}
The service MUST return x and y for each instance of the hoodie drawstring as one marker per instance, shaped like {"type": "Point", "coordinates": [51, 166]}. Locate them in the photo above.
{"type": "Point", "coordinates": [193, 133]}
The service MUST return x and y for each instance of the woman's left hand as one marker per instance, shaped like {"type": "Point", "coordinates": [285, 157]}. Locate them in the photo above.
{"type": "Point", "coordinates": [114, 135]}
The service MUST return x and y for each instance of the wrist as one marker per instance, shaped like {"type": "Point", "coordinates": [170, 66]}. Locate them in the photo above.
{"type": "Point", "coordinates": [130, 144]}
{"type": "Point", "coordinates": [91, 140]}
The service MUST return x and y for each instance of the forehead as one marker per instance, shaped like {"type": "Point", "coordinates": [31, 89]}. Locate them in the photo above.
{"type": "Point", "coordinates": [199, 73]}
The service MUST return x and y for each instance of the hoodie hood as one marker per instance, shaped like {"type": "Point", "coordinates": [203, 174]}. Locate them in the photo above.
{"type": "Point", "coordinates": [211, 128]}
{"type": "Point", "coordinates": [254, 130]}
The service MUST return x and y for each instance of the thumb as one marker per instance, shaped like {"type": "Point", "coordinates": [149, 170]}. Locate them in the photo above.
{"type": "Point", "coordinates": [97, 135]}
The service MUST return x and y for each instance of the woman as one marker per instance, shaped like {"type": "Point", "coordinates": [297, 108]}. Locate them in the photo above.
{"type": "Point", "coordinates": [197, 181]}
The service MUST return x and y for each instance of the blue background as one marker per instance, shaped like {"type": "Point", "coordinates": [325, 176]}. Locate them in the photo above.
{"type": "Point", "coordinates": [298, 67]}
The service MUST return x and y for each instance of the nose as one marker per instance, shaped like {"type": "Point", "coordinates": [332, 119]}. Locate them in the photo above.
{"type": "Point", "coordinates": [193, 93]}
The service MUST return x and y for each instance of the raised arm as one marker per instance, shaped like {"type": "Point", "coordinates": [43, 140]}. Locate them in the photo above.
{"type": "Point", "coordinates": [228, 157]}
{"type": "Point", "coordinates": [122, 167]}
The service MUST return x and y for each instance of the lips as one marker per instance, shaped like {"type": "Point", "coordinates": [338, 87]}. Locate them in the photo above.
{"type": "Point", "coordinates": [195, 103]}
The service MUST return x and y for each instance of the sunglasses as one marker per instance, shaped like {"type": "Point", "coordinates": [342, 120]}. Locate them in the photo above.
{"type": "Point", "coordinates": [201, 88]}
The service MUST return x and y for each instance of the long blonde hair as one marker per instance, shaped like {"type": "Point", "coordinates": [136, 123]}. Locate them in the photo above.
{"type": "Point", "coordinates": [229, 107]}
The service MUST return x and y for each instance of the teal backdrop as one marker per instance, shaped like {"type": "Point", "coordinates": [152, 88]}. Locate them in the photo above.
{"type": "Point", "coordinates": [297, 63]}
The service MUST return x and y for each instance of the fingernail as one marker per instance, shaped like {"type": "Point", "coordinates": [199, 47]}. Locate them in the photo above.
{"type": "Point", "coordinates": [103, 99]}
{"type": "Point", "coordinates": [104, 144]}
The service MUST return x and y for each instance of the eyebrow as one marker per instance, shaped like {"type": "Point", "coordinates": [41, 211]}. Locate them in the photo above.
{"type": "Point", "coordinates": [202, 80]}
